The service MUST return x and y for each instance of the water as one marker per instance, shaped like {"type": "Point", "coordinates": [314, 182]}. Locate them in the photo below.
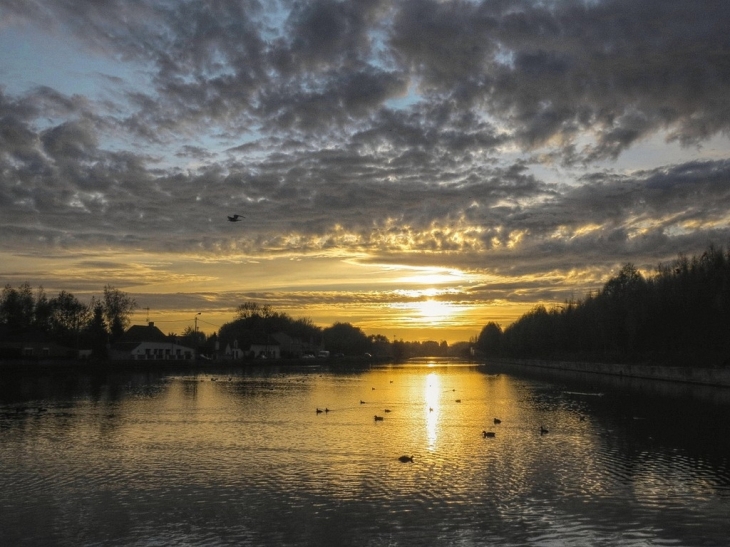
{"type": "Point", "coordinates": [242, 458]}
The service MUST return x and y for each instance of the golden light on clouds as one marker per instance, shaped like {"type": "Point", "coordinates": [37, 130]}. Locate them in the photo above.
{"type": "Point", "coordinates": [427, 313]}
{"type": "Point", "coordinates": [410, 302]}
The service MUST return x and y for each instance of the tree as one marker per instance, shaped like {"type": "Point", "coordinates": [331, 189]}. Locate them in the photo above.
{"type": "Point", "coordinates": [118, 306]}
{"type": "Point", "coordinates": [344, 338]}
{"type": "Point", "coordinates": [490, 339]}
{"type": "Point", "coordinates": [68, 317]}
{"type": "Point", "coordinates": [96, 334]}
{"type": "Point", "coordinates": [17, 307]}
{"type": "Point", "coordinates": [249, 310]}
{"type": "Point", "coordinates": [43, 311]}
{"type": "Point", "coordinates": [192, 338]}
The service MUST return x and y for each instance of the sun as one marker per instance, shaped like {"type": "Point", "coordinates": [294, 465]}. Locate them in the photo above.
{"type": "Point", "coordinates": [433, 311]}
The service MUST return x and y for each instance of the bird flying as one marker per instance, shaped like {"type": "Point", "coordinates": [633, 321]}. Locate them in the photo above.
{"type": "Point", "coordinates": [235, 218]}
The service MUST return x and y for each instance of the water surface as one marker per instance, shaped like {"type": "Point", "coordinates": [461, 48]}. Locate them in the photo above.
{"type": "Point", "coordinates": [243, 458]}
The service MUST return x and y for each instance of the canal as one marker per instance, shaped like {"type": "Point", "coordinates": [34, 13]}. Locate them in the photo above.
{"type": "Point", "coordinates": [242, 457]}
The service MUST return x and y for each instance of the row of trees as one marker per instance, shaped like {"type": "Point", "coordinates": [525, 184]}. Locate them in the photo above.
{"type": "Point", "coordinates": [64, 318]}
{"type": "Point", "coordinates": [680, 314]}
{"type": "Point", "coordinates": [67, 321]}
{"type": "Point", "coordinates": [254, 321]}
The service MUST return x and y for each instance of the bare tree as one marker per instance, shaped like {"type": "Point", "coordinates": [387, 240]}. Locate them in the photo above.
{"type": "Point", "coordinates": [118, 306]}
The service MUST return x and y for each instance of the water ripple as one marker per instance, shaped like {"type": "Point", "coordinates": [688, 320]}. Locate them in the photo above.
{"type": "Point", "coordinates": [185, 461]}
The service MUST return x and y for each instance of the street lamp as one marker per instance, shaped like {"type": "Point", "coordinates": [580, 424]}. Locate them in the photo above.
{"type": "Point", "coordinates": [196, 323]}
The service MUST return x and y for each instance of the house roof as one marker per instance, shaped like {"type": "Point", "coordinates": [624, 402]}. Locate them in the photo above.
{"type": "Point", "coordinates": [143, 333]}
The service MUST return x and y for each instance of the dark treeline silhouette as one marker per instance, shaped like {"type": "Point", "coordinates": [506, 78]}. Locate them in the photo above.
{"type": "Point", "coordinates": [259, 323]}
{"type": "Point", "coordinates": [255, 323]}
{"type": "Point", "coordinates": [28, 317]}
{"type": "Point", "coordinates": [66, 328]}
{"type": "Point", "coordinates": [680, 315]}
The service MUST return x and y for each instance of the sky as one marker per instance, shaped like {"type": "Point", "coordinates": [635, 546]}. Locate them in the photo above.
{"type": "Point", "coordinates": [416, 168]}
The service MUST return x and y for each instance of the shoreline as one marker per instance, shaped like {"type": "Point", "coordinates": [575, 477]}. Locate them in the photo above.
{"type": "Point", "coordinates": [106, 366]}
{"type": "Point", "coordinates": [716, 377]}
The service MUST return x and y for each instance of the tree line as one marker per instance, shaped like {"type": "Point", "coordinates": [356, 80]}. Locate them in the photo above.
{"type": "Point", "coordinates": [254, 321]}
{"type": "Point", "coordinates": [64, 319]}
{"type": "Point", "coordinates": [679, 314]}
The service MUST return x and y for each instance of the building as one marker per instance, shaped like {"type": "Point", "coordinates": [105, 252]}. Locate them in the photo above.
{"type": "Point", "coordinates": [148, 343]}
{"type": "Point", "coordinates": [232, 351]}
{"type": "Point", "coordinates": [264, 347]}
{"type": "Point", "coordinates": [288, 346]}
{"type": "Point", "coordinates": [32, 344]}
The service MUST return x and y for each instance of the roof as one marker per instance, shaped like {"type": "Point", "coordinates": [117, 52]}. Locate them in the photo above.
{"type": "Point", "coordinates": [143, 333]}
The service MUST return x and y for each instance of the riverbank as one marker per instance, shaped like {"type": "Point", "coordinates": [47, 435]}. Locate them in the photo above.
{"type": "Point", "coordinates": [719, 377]}
{"type": "Point", "coordinates": [28, 366]}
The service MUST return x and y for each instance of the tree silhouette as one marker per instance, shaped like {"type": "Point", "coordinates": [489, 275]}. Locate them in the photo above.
{"type": "Point", "coordinates": [118, 307]}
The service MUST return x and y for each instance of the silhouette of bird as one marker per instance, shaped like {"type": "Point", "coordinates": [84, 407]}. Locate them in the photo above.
{"type": "Point", "coordinates": [319, 411]}
{"type": "Point", "coordinates": [543, 430]}
{"type": "Point", "coordinates": [406, 459]}
{"type": "Point", "coordinates": [458, 400]}
{"type": "Point", "coordinates": [362, 402]}
{"type": "Point", "coordinates": [486, 434]}
{"type": "Point", "coordinates": [235, 218]}
{"type": "Point", "coordinates": [497, 421]}
{"type": "Point", "coordinates": [386, 410]}
{"type": "Point", "coordinates": [378, 418]}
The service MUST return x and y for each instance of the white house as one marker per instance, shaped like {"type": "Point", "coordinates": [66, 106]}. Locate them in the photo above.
{"type": "Point", "coordinates": [148, 343]}
{"type": "Point", "coordinates": [270, 350]}
{"type": "Point", "coordinates": [233, 352]}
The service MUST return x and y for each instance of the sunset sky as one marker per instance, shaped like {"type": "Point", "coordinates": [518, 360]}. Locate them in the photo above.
{"type": "Point", "coordinates": [416, 168]}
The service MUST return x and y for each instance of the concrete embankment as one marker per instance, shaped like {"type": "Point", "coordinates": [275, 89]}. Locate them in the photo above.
{"type": "Point", "coordinates": [691, 375]}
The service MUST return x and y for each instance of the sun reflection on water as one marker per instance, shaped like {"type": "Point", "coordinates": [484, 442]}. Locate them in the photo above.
{"type": "Point", "coordinates": [433, 408]}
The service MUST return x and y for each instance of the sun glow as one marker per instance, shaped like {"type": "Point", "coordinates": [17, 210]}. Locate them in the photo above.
{"type": "Point", "coordinates": [433, 311]}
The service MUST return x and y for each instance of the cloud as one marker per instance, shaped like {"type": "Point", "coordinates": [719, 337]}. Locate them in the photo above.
{"type": "Point", "coordinates": [553, 71]}
{"type": "Point", "coordinates": [486, 135]}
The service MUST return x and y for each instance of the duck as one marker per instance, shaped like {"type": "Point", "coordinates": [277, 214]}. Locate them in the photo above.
{"type": "Point", "coordinates": [362, 402]}
{"type": "Point", "coordinates": [406, 459]}
{"type": "Point", "coordinates": [458, 400]}
{"type": "Point", "coordinates": [378, 418]}
{"type": "Point", "coordinates": [497, 421]}
{"type": "Point", "coordinates": [489, 434]}
{"type": "Point", "coordinates": [543, 430]}
{"type": "Point", "coordinates": [386, 410]}
{"type": "Point", "coordinates": [319, 411]}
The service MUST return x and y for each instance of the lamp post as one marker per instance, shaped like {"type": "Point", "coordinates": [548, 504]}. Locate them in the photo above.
{"type": "Point", "coordinates": [195, 335]}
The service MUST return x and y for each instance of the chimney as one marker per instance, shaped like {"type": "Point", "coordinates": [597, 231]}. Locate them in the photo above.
{"type": "Point", "coordinates": [152, 324]}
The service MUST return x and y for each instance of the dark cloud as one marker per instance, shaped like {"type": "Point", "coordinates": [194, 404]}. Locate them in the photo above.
{"type": "Point", "coordinates": [620, 69]}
